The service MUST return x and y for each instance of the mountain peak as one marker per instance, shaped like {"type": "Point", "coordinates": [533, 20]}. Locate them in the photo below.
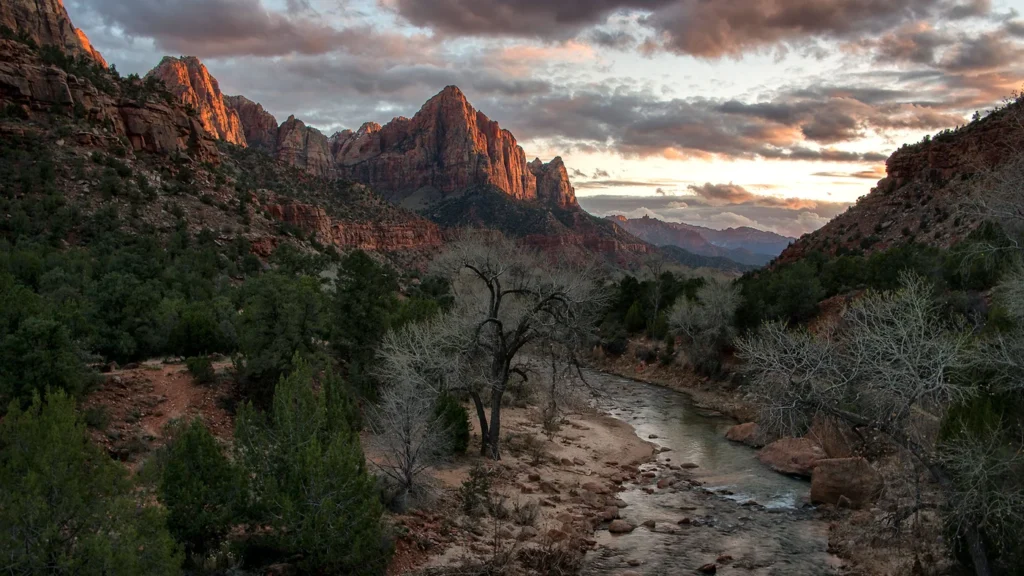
{"type": "Point", "coordinates": [189, 80]}
{"type": "Point", "coordinates": [47, 23]}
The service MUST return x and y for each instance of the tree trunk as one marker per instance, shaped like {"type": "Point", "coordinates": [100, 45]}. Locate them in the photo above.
{"type": "Point", "coordinates": [495, 433]}
{"type": "Point", "coordinates": [481, 414]}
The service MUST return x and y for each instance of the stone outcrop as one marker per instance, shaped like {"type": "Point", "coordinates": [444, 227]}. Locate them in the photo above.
{"type": "Point", "coordinates": [411, 233]}
{"type": "Point", "coordinates": [260, 126]}
{"type": "Point", "coordinates": [446, 147]}
{"type": "Point", "coordinates": [748, 433]}
{"type": "Point", "coordinates": [924, 186]}
{"type": "Point", "coordinates": [43, 91]}
{"type": "Point", "coordinates": [189, 80]}
{"type": "Point", "coordinates": [851, 478]}
{"type": "Point", "coordinates": [796, 456]}
{"type": "Point", "coordinates": [303, 147]}
{"type": "Point", "coordinates": [46, 22]}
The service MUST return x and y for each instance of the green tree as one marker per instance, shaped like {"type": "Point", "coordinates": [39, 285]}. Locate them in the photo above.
{"type": "Point", "coordinates": [200, 489]}
{"type": "Point", "coordinates": [635, 320]}
{"type": "Point", "coordinates": [66, 507]}
{"type": "Point", "coordinates": [364, 301]}
{"type": "Point", "coordinates": [281, 316]}
{"type": "Point", "coordinates": [309, 481]}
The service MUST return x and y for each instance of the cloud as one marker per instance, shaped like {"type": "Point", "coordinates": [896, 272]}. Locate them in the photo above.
{"type": "Point", "coordinates": [876, 173]}
{"type": "Point", "coordinates": [222, 28]}
{"type": "Point", "coordinates": [577, 173]}
{"type": "Point", "coordinates": [732, 194]}
{"type": "Point", "coordinates": [601, 174]}
{"type": "Point", "coordinates": [695, 210]}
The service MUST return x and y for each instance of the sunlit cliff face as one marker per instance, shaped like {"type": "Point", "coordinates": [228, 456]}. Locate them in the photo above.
{"type": "Point", "coordinates": [655, 105]}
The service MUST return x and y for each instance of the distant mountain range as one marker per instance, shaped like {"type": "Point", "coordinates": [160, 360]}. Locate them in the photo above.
{"type": "Point", "coordinates": [745, 245]}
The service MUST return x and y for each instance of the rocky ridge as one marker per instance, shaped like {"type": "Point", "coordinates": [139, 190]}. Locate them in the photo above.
{"type": "Point", "coordinates": [921, 198]}
{"type": "Point", "coordinates": [745, 246]}
{"type": "Point", "coordinates": [46, 23]}
{"type": "Point", "coordinates": [191, 83]}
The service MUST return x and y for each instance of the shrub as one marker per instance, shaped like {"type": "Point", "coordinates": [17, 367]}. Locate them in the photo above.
{"type": "Point", "coordinates": [201, 369]}
{"type": "Point", "coordinates": [475, 492]}
{"type": "Point", "coordinates": [66, 507]}
{"type": "Point", "coordinates": [310, 486]}
{"type": "Point", "coordinates": [200, 489]}
{"type": "Point", "coordinates": [635, 321]}
{"type": "Point", "coordinates": [454, 418]}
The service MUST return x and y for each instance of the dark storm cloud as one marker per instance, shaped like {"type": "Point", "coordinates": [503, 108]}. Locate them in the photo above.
{"type": "Point", "coordinates": [986, 52]}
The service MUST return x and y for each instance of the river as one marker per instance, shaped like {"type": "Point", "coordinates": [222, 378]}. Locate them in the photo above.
{"type": "Point", "coordinates": [738, 514]}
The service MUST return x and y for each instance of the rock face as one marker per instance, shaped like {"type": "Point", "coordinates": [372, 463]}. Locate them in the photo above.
{"type": "Point", "coordinates": [42, 91]}
{"type": "Point", "coordinates": [852, 478]}
{"type": "Point", "coordinates": [189, 80]}
{"type": "Point", "coordinates": [412, 233]}
{"type": "Point", "coordinates": [446, 147]}
{"type": "Point", "coordinates": [796, 456]}
{"type": "Point", "coordinates": [749, 434]}
{"type": "Point", "coordinates": [260, 126]}
{"type": "Point", "coordinates": [923, 187]}
{"type": "Point", "coordinates": [47, 23]}
{"type": "Point", "coordinates": [304, 147]}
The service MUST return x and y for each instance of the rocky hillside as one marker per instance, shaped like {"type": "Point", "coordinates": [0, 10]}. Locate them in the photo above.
{"type": "Point", "coordinates": [922, 197]}
{"type": "Point", "coordinates": [46, 23]}
{"type": "Point", "coordinates": [190, 82]}
{"type": "Point", "coordinates": [745, 246]}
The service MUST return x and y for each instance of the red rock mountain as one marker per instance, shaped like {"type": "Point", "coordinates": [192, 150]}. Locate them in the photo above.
{"type": "Point", "coordinates": [46, 22]}
{"type": "Point", "coordinates": [446, 147]}
{"type": "Point", "coordinates": [259, 125]}
{"type": "Point", "coordinates": [189, 80]}
{"type": "Point", "coordinates": [923, 191]}
{"type": "Point", "coordinates": [304, 147]}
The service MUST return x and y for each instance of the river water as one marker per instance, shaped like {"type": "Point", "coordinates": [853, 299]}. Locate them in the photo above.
{"type": "Point", "coordinates": [738, 514]}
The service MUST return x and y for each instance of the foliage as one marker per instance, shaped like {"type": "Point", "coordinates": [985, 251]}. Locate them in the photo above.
{"type": "Point", "coordinates": [281, 316]}
{"type": "Point", "coordinates": [200, 489]}
{"type": "Point", "coordinates": [454, 419]}
{"type": "Point", "coordinates": [706, 323]}
{"type": "Point", "coordinates": [67, 508]}
{"type": "Point", "coordinates": [475, 491]}
{"type": "Point", "coordinates": [309, 483]}
{"type": "Point", "coordinates": [201, 369]}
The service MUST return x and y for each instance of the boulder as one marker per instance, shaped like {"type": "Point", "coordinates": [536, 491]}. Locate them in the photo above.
{"type": "Point", "coordinates": [796, 456]}
{"type": "Point", "coordinates": [836, 438]}
{"type": "Point", "coordinates": [620, 527]}
{"type": "Point", "coordinates": [748, 433]}
{"type": "Point", "coordinates": [850, 480]}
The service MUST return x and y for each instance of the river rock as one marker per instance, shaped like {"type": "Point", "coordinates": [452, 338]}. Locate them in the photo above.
{"type": "Point", "coordinates": [796, 456]}
{"type": "Point", "coordinates": [708, 569]}
{"type": "Point", "coordinates": [620, 527]}
{"type": "Point", "coordinates": [852, 479]}
{"type": "Point", "coordinates": [749, 434]}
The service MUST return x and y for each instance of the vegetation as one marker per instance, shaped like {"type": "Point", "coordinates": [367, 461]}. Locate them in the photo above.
{"type": "Point", "coordinates": [67, 508]}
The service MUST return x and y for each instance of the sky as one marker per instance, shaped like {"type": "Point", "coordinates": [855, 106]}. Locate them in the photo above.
{"type": "Point", "coordinates": [775, 114]}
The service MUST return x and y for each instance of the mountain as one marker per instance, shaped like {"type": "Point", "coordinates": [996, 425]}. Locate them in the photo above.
{"type": "Point", "coordinates": [745, 245]}
{"type": "Point", "coordinates": [925, 188]}
{"type": "Point", "coordinates": [447, 146]}
{"type": "Point", "coordinates": [46, 23]}
{"type": "Point", "coordinates": [691, 260]}
{"type": "Point", "coordinates": [260, 127]}
{"type": "Point", "coordinates": [191, 83]}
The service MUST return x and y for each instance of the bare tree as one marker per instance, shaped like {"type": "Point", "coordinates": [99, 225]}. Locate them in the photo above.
{"type": "Point", "coordinates": [889, 366]}
{"type": "Point", "coordinates": [707, 324]}
{"type": "Point", "coordinates": [510, 299]}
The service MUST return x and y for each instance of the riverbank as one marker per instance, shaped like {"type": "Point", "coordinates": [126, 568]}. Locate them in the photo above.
{"type": "Point", "coordinates": [549, 492]}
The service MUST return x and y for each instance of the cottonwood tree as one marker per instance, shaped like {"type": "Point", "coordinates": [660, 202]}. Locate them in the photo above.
{"type": "Point", "coordinates": [889, 366]}
{"type": "Point", "coordinates": [509, 301]}
{"type": "Point", "coordinates": [707, 324]}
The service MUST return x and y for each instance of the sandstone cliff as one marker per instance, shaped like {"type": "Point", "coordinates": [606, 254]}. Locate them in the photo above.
{"type": "Point", "coordinates": [189, 80]}
{"type": "Point", "coordinates": [259, 125]}
{"type": "Point", "coordinates": [149, 125]}
{"type": "Point", "coordinates": [304, 147]}
{"type": "Point", "coordinates": [923, 191]}
{"type": "Point", "coordinates": [46, 23]}
{"type": "Point", "coordinates": [411, 234]}
{"type": "Point", "coordinates": [446, 147]}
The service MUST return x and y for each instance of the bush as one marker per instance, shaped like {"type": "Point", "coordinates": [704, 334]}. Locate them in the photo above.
{"type": "Point", "coordinates": [66, 507]}
{"type": "Point", "coordinates": [200, 489]}
{"type": "Point", "coordinates": [635, 321]}
{"type": "Point", "coordinates": [454, 418]}
{"type": "Point", "coordinates": [475, 492]}
{"type": "Point", "coordinates": [310, 486]}
{"type": "Point", "coordinates": [201, 369]}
